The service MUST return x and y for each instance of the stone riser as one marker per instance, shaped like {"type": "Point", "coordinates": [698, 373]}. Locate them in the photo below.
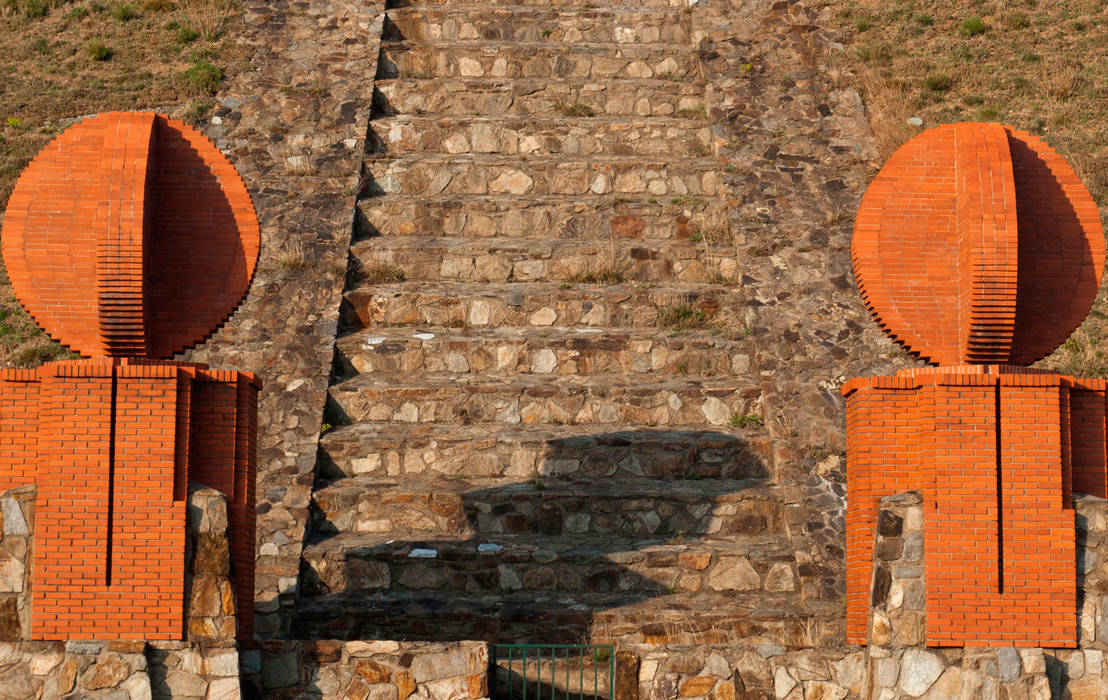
{"type": "Point", "coordinates": [507, 25]}
{"type": "Point", "coordinates": [493, 175]}
{"type": "Point", "coordinates": [560, 621]}
{"type": "Point", "coordinates": [539, 261]}
{"type": "Point", "coordinates": [533, 305]}
{"type": "Point", "coordinates": [366, 506]}
{"type": "Point", "coordinates": [539, 97]}
{"type": "Point", "coordinates": [461, 567]}
{"type": "Point", "coordinates": [388, 450]}
{"type": "Point", "coordinates": [553, 353]}
{"type": "Point", "coordinates": [540, 60]}
{"type": "Point", "coordinates": [531, 137]}
{"type": "Point", "coordinates": [551, 218]}
{"type": "Point", "coordinates": [611, 400]}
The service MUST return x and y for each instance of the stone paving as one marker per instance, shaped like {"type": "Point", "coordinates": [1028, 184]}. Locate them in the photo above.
{"type": "Point", "coordinates": [546, 407]}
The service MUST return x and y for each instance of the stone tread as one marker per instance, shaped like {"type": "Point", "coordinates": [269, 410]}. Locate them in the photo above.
{"type": "Point", "coordinates": [551, 616]}
{"type": "Point", "coordinates": [669, 137]}
{"type": "Point", "coordinates": [551, 350]}
{"type": "Point", "coordinates": [505, 23]}
{"type": "Point", "coordinates": [547, 217]}
{"type": "Point", "coordinates": [539, 96]}
{"type": "Point", "coordinates": [534, 304]}
{"type": "Point", "coordinates": [596, 399]}
{"type": "Point", "coordinates": [522, 452]}
{"type": "Point", "coordinates": [511, 546]}
{"type": "Point", "coordinates": [408, 489]}
{"type": "Point", "coordinates": [487, 173]}
{"type": "Point", "coordinates": [528, 260]}
{"type": "Point", "coordinates": [349, 561]}
{"type": "Point", "coordinates": [417, 507]}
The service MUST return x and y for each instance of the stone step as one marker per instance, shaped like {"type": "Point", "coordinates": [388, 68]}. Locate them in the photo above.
{"type": "Point", "coordinates": [531, 136]}
{"type": "Point", "coordinates": [539, 97]}
{"type": "Point", "coordinates": [725, 617]}
{"type": "Point", "coordinates": [570, 563]}
{"type": "Point", "coordinates": [524, 452]}
{"type": "Point", "coordinates": [553, 350]}
{"type": "Point", "coordinates": [414, 508]}
{"type": "Point", "coordinates": [476, 59]}
{"type": "Point", "coordinates": [541, 305]}
{"type": "Point", "coordinates": [484, 174]}
{"type": "Point", "coordinates": [537, 24]}
{"type": "Point", "coordinates": [527, 260]}
{"type": "Point", "coordinates": [551, 217]}
{"type": "Point", "coordinates": [595, 399]}
{"type": "Point", "coordinates": [560, 4]}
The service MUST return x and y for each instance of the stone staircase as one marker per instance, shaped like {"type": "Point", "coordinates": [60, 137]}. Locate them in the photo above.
{"type": "Point", "coordinates": [544, 423]}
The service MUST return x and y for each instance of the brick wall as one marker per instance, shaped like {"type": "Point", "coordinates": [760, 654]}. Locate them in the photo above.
{"type": "Point", "coordinates": [990, 452]}
{"type": "Point", "coordinates": [111, 446]}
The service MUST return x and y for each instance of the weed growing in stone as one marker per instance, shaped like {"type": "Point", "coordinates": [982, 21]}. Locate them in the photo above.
{"type": "Point", "coordinates": [746, 420]}
{"type": "Point", "coordinates": [577, 109]}
{"type": "Point", "coordinates": [683, 318]}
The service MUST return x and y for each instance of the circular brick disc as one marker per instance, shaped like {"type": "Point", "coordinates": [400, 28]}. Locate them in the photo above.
{"type": "Point", "coordinates": [130, 234]}
{"type": "Point", "coordinates": [977, 244]}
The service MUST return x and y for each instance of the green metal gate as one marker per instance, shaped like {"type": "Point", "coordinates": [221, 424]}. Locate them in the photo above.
{"type": "Point", "coordinates": [553, 672]}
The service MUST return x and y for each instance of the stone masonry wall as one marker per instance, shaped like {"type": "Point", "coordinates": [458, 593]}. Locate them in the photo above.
{"type": "Point", "coordinates": [117, 671]}
{"type": "Point", "coordinates": [369, 670]}
{"type": "Point", "coordinates": [17, 522]}
{"type": "Point", "coordinates": [298, 148]}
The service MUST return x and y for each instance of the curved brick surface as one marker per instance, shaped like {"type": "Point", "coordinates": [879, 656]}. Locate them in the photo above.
{"type": "Point", "coordinates": [977, 244]}
{"type": "Point", "coordinates": [130, 235]}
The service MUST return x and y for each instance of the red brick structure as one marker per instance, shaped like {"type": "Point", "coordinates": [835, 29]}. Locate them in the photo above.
{"type": "Point", "coordinates": [129, 236]}
{"type": "Point", "coordinates": [978, 249]}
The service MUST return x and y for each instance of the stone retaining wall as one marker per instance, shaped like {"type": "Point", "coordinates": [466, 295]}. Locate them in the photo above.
{"type": "Point", "coordinates": [368, 670]}
{"type": "Point", "coordinates": [118, 670]}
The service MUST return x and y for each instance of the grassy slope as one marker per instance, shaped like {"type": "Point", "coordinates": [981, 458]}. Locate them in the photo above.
{"type": "Point", "coordinates": [1038, 65]}
{"type": "Point", "coordinates": [161, 55]}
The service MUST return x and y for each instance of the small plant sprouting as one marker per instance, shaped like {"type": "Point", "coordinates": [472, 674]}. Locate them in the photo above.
{"type": "Point", "coordinates": [124, 13]}
{"type": "Point", "coordinates": [939, 82]}
{"type": "Point", "coordinates": [600, 274]}
{"type": "Point", "coordinates": [683, 318]}
{"type": "Point", "coordinates": [577, 109]}
{"type": "Point", "coordinates": [98, 50]}
{"type": "Point", "coordinates": [379, 273]}
{"type": "Point", "coordinates": [202, 76]}
{"type": "Point", "coordinates": [972, 26]}
{"type": "Point", "coordinates": [186, 35]}
{"type": "Point", "coordinates": [745, 420]}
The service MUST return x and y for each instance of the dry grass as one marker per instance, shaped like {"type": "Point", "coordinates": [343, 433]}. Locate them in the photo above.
{"type": "Point", "coordinates": [1038, 65]}
{"type": "Point", "coordinates": [65, 59]}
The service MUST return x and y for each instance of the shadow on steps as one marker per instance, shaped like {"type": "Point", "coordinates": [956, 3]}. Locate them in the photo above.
{"type": "Point", "coordinates": [682, 559]}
